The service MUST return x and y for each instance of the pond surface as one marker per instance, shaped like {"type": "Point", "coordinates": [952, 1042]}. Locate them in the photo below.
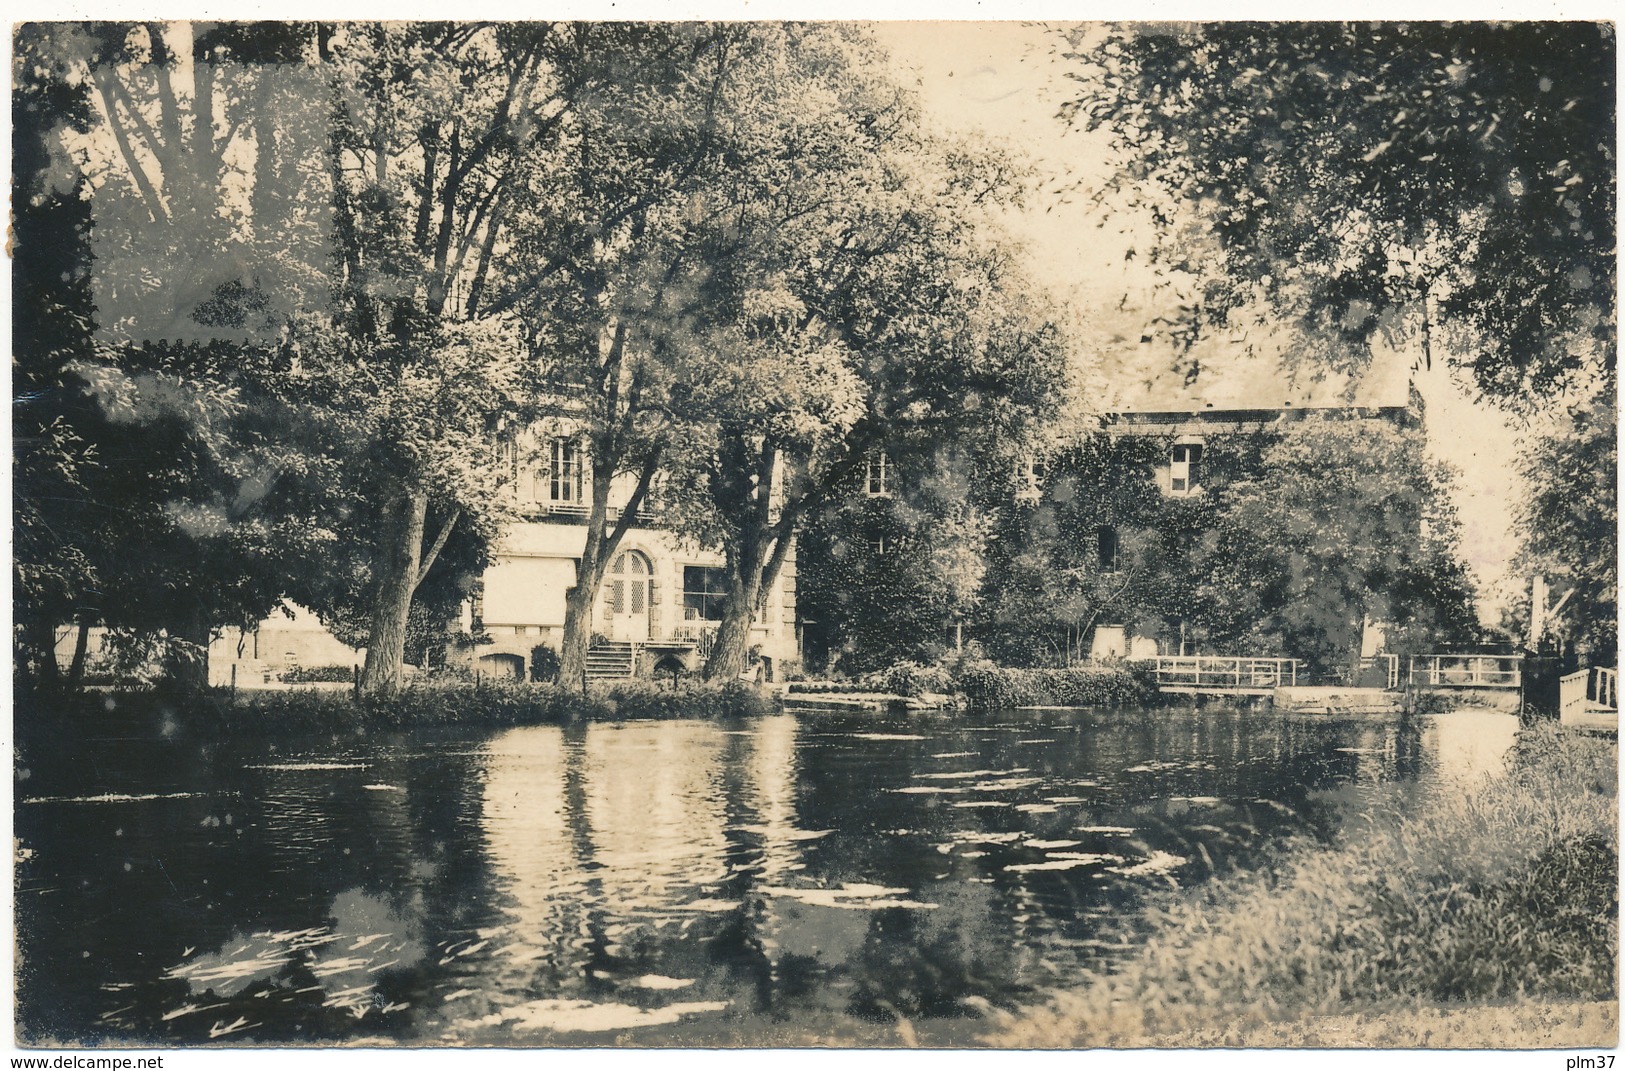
{"type": "Point", "coordinates": [650, 882]}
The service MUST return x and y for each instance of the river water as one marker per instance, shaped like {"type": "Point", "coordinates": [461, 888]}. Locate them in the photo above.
{"type": "Point", "coordinates": [764, 881]}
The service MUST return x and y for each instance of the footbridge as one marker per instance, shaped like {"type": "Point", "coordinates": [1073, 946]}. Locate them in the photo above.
{"type": "Point", "coordinates": [1589, 699]}
{"type": "Point", "coordinates": [1222, 674]}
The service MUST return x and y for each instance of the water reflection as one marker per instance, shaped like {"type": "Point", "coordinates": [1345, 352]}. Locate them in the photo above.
{"type": "Point", "coordinates": [548, 885]}
{"type": "Point", "coordinates": [1469, 744]}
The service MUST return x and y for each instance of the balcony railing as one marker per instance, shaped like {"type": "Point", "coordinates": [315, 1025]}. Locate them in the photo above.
{"type": "Point", "coordinates": [693, 631]}
{"type": "Point", "coordinates": [578, 512]}
{"type": "Point", "coordinates": [1466, 671]}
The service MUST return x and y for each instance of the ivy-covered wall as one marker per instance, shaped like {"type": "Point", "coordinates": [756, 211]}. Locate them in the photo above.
{"type": "Point", "coordinates": [1052, 582]}
{"type": "Point", "coordinates": [1294, 534]}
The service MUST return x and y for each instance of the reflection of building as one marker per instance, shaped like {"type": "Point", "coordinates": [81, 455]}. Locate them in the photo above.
{"type": "Point", "coordinates": [662, 595]}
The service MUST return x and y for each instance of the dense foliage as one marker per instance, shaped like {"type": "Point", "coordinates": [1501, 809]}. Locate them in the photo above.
{"type": "Point", "coordinates": [1569, 524]}
{"type": "Point", "coordinates": [1449, 184]}
{"type": "Point", "coordinates": [1297, 534]}
{"type": "Point", "coordinates": [335, 264]}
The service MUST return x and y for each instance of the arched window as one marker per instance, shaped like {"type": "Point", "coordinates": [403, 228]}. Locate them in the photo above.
{"type": "Point", "coordinates": [628, 584]}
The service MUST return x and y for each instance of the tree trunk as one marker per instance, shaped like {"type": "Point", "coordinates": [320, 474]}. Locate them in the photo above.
{"type": "Point", "coordinates": [1357, 646]}
{"type": "Point", "coordinates": [186, 664]}
{"type": "Point", "coordinates": [81, 644]}
{"type": "Point", "coordinates": [395, 577]}
{"type": "Point", "coordinates": [763, 547]}
{"type": "Point", "coordinates": [38, 645]}
{"type": "Point", "coordinates": [732, 642]}
{"type": "Point", "coordinates": [577, 634]}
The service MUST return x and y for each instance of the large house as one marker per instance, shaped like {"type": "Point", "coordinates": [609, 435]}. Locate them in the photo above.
{"type": "Point", "coordinates": [657, 611]}
{"type": "Point", "coordinates": [1092, 552]}
{"type": "Point", "coordinates": [1196, 426]}
{"type": "Point", "coordinates": [661, 599]}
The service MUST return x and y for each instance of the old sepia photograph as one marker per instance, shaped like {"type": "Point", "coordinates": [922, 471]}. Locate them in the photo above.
{"type": "Point", "coordinates": [746, 534]}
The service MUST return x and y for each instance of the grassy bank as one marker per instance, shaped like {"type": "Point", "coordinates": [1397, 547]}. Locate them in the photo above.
{"type": "Point", "coordinates": [1469, 912]}
{"type": "Point", "coordinates": [428, 705]}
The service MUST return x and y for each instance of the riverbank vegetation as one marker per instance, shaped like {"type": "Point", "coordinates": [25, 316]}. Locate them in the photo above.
{"type": "Point", "coordinates": [1489, 900]}
{"type": "Point", "coordinates": [425, 705]}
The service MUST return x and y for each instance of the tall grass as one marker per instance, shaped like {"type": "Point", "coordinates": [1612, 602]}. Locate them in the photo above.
{"type": "Point", "coordinates": [1503, 891]}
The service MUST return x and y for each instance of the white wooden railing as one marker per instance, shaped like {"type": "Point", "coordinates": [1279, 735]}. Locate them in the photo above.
{"type": "Point", "coordinates": [1389, 663]}
{"type": "Point", "coordinates": [1221, 671]}
{"type": "Point", "coordinates": [1585, 695]}
{"type": "Point", "coordinates": [1466, 671]}
{"type": "Point", "coordinates": [1571, 695]}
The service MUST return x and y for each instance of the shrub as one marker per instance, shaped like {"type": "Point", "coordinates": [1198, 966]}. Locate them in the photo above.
{"type": "Point", "coordinates": [544, 663]}
{"type": "Point", "coordinates": [427, 703]}
{"type": "Point", "coordinates": [986, 686]}
{"type": "Point", "coordinates": [319, 675]}
{"type": "Point", "coordinates": [908, 678]}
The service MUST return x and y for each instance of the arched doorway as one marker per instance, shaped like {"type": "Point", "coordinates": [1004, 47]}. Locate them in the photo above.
{"type": "Point", "coordinates": [628, 591]}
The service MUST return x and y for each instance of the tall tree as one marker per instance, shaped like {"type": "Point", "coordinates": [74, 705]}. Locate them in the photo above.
{"type": "Point", "coordinates": [1569, 521]}
{"type": "Point", "coordinates": [1437, 182]}
{"type": "Point", "coordinates": [185, 519]}
{"type": "Point", "coordinates": [611, 279]}
{"type": "Point", "coordinates": [1346, 522]}
{"type": "Point", "coordinates": [52, 568]}
{"type": "Point", "coordinates": [857, 301]}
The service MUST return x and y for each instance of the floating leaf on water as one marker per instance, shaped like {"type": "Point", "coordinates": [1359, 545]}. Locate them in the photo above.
{"type": "Point", "coordinates": [220, 1030]}
{"type": "Point", "coordinates": [707, 905]}
{"type": "Point", "coordinates": [1050, 864]}
{"type": "Point", "coordinates": [583, 1016]}
{"type": "Point", "coordinates": [1156, 863]}
{"type": "Point", "coordinates": [960, 774]}
{"type": "Point", "coordinates": [660, 981]}
{"type": "Point", "coordinates": [856, 897]}
{"type": "Point", "coordinates": [189, 1009]}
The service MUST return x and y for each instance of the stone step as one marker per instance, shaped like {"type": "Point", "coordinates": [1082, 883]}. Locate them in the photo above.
{"type": "Point", "coordinates": [610, 660]}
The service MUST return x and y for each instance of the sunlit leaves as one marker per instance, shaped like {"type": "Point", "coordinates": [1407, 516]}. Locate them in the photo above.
{"type": "Point", "coordinates": [1455, 180]}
